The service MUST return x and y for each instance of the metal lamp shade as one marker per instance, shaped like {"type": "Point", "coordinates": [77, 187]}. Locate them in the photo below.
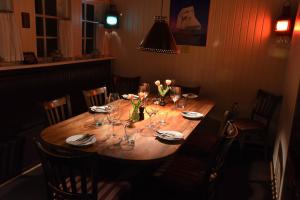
{"type": "Point", "coordinates": [159, 39]}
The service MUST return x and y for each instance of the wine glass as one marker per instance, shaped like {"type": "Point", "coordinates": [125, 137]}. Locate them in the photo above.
{"type": "Point", "coordinates": [175, 94]}
{"type": "Point", "coordinates": [151, 111]}
{"type": "Point", "coordinates": [113, 117]}
{"type": "Point", "coordinates": [145, 88]}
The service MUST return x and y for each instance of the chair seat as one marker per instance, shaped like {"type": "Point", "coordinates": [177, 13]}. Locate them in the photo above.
{"type": "Point", "coordinates": [248, 125]}
{"type": "Point", "coordinates": [186, 172]}
{"type": "Point", "coordinates": [107, 190]}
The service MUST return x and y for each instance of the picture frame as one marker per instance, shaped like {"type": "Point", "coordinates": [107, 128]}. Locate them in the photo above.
{"type": "Point", "coordinates": [25, 19]}
{"type": "Point", "coordinates": [29, 58]}
{"type": "Point", "coordinates": [189, 21]}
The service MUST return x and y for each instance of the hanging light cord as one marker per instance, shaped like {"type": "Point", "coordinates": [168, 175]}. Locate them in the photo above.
{"type": "Point", "coordinates": [162, 5]}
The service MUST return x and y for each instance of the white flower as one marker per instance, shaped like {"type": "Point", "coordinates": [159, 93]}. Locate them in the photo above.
{"type": "Point", "coordinates": [168, 82]}
{"type": "Point", "coordinates": [157, 82]}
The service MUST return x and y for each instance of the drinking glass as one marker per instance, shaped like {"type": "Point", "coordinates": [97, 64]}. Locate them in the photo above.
{"type": "Point", "coordinates": [145, 88]}
{"type": "Point", "coordinates": [128, 140]}
{"type": "Point", "coordinates": [113, 117]}
{"type": "Point", "coordinates": [97, 119]}
{"type": "Point", "coordinates": [162, 115]}
{"type": "Point", "coordinates": [151, 111]}
{"type": "Point", "coordinates": [175, 94]}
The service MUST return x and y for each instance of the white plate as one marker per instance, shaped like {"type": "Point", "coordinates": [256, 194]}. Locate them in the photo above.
{"type": "Point", "coordinates": [192, 115]}
{"type": "Point", "coordinates": [170, 135]}
{"type": "Point", "coordinates": [190, 96]}
{"type": "Point", "coordinates": [125, 96]}
{"type": "Point", "coordinates": [99, 109]}
{"type": "Point", "coordinates": [72, 140]}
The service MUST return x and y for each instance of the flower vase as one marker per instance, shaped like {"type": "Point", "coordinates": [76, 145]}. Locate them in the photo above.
{"type": "Point", "coordinates": [162, 101]}
{"type": "Point", "coordinates": [134, 117]}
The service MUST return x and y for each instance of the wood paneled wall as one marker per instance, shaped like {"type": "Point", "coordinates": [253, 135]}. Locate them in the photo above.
{"type": "Point", "coordinates": [241, 53]}
{"type": "Point", "coordinates": [290, 92]}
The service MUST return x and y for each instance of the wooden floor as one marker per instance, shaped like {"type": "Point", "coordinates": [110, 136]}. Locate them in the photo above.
{"type": "Point", "coordinates": [245, 178]}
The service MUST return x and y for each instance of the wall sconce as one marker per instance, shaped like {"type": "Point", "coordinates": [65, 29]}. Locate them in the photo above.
{"type": "Point", "coordinates": [284, 24]}
{"type": "Point", "coordinates": [112, 17]}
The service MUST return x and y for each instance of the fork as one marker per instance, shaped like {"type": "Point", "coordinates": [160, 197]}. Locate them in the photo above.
{"type": "Point", "coordinates": [84, 138]}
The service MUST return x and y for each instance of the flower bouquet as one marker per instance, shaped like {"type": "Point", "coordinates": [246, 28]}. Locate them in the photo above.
{"type": "Point", "coordinates": [163, 90]}
{"type": "Point", "coordinates": [136, 103]}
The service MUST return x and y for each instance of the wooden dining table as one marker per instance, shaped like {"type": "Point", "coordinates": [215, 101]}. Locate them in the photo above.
{"type": "Point", "coordinates": [147, 147]}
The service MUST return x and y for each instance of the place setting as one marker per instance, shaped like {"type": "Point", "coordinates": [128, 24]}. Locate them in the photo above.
{"type": "Point", "coordinates": [81, 140]}
{"type": "Point", "coordinates": [169, 136]}
{"type": "Point", "coordinates": [192, 115]}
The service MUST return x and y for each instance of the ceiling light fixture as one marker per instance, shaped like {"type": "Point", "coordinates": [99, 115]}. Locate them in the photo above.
{"type": "Point", "coordinates": [160, 38]}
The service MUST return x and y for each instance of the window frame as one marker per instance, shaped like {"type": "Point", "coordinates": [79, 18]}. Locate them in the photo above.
{"type": "Point", "coordinates": [45, 37]}
{"type": "Point", "coordinates": [84, 22]}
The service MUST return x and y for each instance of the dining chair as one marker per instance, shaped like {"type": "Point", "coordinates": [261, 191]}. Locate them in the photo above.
{"type": "Point", "coordinates": [186, 89]}
{"type": "Point", "coordinates": [195, 175]}
{"type": "Point", "coordinates": [75, 175]}
{"type": "Point", "coordinates": [56, 109]}
{"type": "Point", "coordinates": [11, 156]}
{"type": "Point", "coordinates": [126, 85]}
{"type": "Point", "coordinates": [259, 121]}
{"type": "Point", "coordinates": [203, 140]}
{"type": "Point", "coordinates": [95, 97]}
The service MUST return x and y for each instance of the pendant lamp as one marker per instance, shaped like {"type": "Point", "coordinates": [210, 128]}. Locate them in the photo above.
{"type": "Point", "coordinates": [160, 38]}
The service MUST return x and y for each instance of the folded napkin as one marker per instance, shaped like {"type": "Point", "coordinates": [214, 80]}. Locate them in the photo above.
{"type": "Point", "coordinates": [99, 108]}
{"type": "Point", "coordinates": [125, 96]}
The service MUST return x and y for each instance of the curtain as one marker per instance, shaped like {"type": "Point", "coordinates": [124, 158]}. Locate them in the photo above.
{"type": "Point", "coordinates": [10, 38]}
{"type": "Point", "coordinates": [6, 5]}
{"type": "Point", "coordinates": [65, 28]}
{"type": "Point", "coordinates": [65, 38]}
{"type": "Point", "coordinates": [102, 40]}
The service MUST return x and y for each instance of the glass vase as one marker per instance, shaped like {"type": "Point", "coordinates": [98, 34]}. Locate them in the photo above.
{"type": "Point", "coordinates": [134, 115]}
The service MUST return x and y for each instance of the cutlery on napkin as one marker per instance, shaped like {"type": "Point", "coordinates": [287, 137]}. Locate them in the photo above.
{"type": "Point", "coordinates": [99, 108]}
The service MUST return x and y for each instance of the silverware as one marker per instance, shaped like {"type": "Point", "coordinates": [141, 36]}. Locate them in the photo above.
{"type": "Point", "coordinates": [189, 113]}
{"type": "Point", "coordinates": [84, 138]}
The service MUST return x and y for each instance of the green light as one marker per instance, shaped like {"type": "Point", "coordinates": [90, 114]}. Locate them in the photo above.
{"type": "Point", "coordinates": [111, 20]}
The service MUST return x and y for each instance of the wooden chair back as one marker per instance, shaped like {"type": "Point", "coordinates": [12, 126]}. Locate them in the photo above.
{"type": "Point", "coordinates": [11, 156]}
{"type": "Point", "coordinates": [265, 105]}
{"type": "Point", "coordinates": [126, 85]}
{"type": "Point", "coordinates": [218, 159]}
{"type": "Point", "coordinates": [95, 97]}
{"type": "Point", "coordinates": [194, 90]}
{"type": "Point", "coordinates": [69, 175]}
{"type": "Point", "coordinates": [56, 109]}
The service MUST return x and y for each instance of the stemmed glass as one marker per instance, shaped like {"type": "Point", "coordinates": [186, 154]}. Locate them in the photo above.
{"type": "Point", "coordinates": [175, 94]}
{"type": "Point", "coordinates": [145, 88]}
{"type": "Point", "coordinates": [151, 111]}
{"type": "Point", "coordinates": [113, 117]}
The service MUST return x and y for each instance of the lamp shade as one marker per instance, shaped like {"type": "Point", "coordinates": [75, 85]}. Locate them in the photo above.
{"type": "Point", "coordinates": [159, 39]}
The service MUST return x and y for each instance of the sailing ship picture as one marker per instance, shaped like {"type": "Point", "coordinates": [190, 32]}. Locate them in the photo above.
{"type": "Point", "coordinates": [189, 21]}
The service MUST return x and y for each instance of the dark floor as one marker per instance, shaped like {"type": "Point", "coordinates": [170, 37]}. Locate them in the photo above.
{"type": "Point", "coordinates": [244, 178]}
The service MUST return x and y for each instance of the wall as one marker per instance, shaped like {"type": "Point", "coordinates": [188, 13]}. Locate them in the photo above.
{"type": "Point", "coordinates": [241, 53]}
{"type": "Point", "coordinates": [27, 34]}
{"type": "Point", "coordinates": [290, 89]}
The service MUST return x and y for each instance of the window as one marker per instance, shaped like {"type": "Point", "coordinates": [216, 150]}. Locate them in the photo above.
{"type": "Point", "coordinates": [46, 27]}
{"type": "Point", "coordinates": [88, 28]}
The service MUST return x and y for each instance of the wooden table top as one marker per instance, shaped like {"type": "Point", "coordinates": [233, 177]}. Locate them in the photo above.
{"type": "Point", "coordinates": [147, 147]}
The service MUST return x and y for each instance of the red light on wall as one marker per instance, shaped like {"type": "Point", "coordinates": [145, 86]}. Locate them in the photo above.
{"type": "Point", "coordinates": [283, 26]}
